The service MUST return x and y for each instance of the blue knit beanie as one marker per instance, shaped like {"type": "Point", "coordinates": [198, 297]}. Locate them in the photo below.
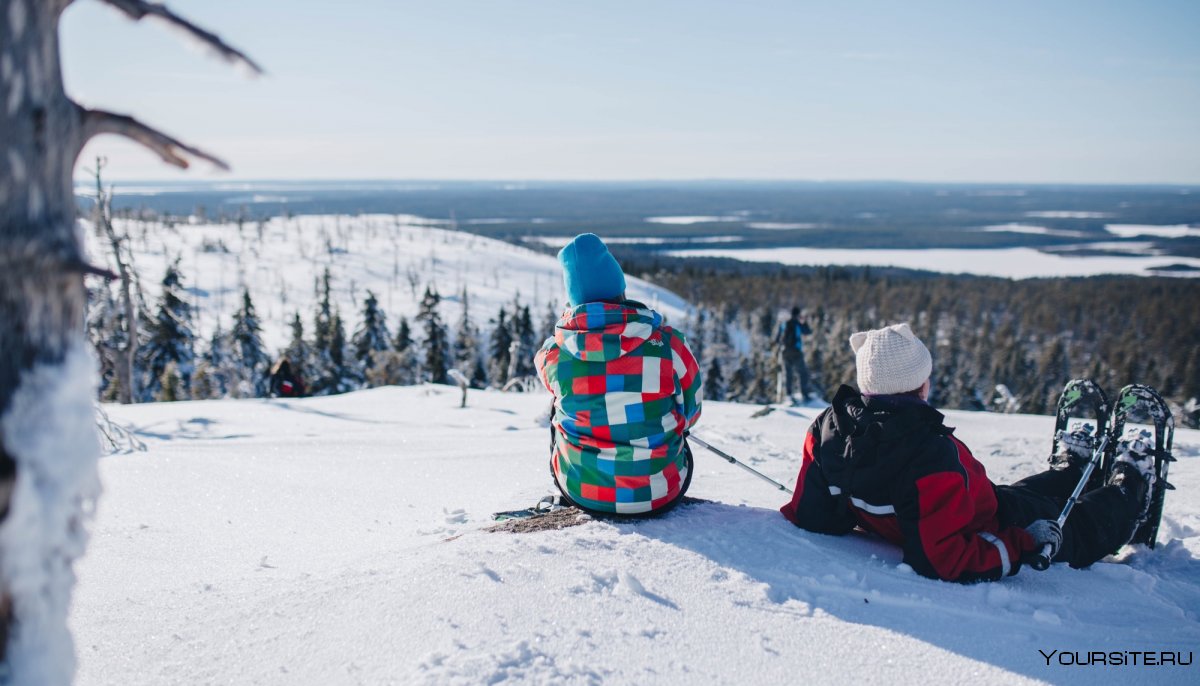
{"type": "Point", "coordinates": [590, 272]}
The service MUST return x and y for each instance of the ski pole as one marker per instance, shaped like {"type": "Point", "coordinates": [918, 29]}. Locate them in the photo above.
{"type": "Point", "coordinates": [1041, 561]}
{"type": "Point", "coordinates": [733, 460]}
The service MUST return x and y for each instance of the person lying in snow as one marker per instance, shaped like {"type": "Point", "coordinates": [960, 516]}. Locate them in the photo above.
{"type": "Point", "coordinates": [626, 390]}
{"type": "Point", "coordinates": [884, 460]}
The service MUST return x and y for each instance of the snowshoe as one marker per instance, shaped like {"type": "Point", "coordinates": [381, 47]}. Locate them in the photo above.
{"type": "Point", "coordinates": [544, 506]}
{"type": "Point", "coordinates": [1133, 467]}
{"type": "Point", "coordinates": [1081, 420]}
{"type": "Point", "coordinates": [1145, 448]}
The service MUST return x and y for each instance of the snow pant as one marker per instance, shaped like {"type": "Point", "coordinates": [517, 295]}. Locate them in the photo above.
{"type": "Point", "coordinates": [566, 499]}
{"type": "Point", "coordinates": [1103, 519]}
{"type": "Point", "coordinates": [793, 367]}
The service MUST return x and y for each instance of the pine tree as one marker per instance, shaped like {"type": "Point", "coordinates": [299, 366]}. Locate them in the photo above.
{"type": "Point", "coordinates": [321, 367]}
{"type": "Point", "coordinates": [247, 354]}
{"type": "Point", "coordinates": [466, 347]}
{"type": "Point", "coordinates": [215, 375]}
{"type": "Point", "coordinates": [714, 381]}
{"type": "Point", "coordinates": [105, 332]}
{"type": "Point", "coordinates": [371, 335]}
{"type": "Point", "coordinates": [299, 353]}
{"type": "Point", "coordinates": [436, 345]}
{"type": "Point", "coordinates": [403, 336]}
{"type": "Point", "coordinates": [396, 366]}
{"type": "Point", "coordinates": [1053, 372]}
{"type": "Point", "coordinates": [741, 381]}
{"type": "Point", "coordinates": [522, 325]}
{"type": "Point", "coordinates": [170, 384]}
{"type": "Point", "coordinates": [170, 338]}
{"type": "Point", "coordinates": [696, 338]}
{"type": "Point", "coordinates": [549, 322]}
{"type": "Point", "coordinates": [501, 349]}
{"type": "Point", "coordinates": [346, 376]}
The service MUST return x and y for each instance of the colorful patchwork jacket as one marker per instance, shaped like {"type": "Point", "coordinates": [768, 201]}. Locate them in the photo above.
{"type": "Point", "coordinates": [626, 388]}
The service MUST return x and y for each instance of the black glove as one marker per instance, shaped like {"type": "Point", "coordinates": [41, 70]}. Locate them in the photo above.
{"type": "Point", "coordinates": [1046, 532]}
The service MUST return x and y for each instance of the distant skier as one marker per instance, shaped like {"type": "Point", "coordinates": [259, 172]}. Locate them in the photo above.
{"type": "Point", "coordinates": [791, 346]}
{"type": "Point", "coordinates": [883, 460]}
{"type": "Point", "coordinates": [626, 390]}
{"type": "Point", "coordinates": [285, 381]}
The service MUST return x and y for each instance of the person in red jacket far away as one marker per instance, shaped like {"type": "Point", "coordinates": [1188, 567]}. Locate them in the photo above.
{"type": "Point", "coordinates": [883, 460]}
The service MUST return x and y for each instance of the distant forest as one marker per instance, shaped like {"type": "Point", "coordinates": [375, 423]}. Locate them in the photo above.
{"type": "Point", "coordinates": [1029, 336]}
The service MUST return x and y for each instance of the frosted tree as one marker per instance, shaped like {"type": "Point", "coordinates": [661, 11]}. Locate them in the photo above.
{"type": "Point", "coordinates": [466, 347]}
{"type": "Point", "coordinates": [403, 336]}
{"type": "Point", "coordinates": [345, 377]}
{"type": "Point", "coordinates": [396, 366]}
{"type": "Point", "coordinates": [248, 355]}
{"type": "Point", "coordinates": [524, 335]}
{"type": "Point", "coordinates": [372, 333]}
{"type": "Point", "coordinates": [549, 322]}
{"type": "Point", "coordinates": [695, 337]}
{"type": "Point", "coordinates": [436, 344]}
{"type": "Point", "coordinates": [123, 357]}
{"type": "Point", "coordinates": [215, 371]}
{"type": "Point", "coordinates": [106, 334]}
{"type": "Point", "coordinates": [714, 381]}
{"type": "Point", "coordinates": [323, 378]}
{"type": "Point", "coordinates": [299, 352]}
{"type": "Point", "coordinates": [501, 344]}
{"type": "Point", "coordinates": [48, 443]}
{"type": "Point", "coordinates": [170, 338]}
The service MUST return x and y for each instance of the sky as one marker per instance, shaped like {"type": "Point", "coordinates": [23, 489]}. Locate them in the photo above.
{"type": "Point", "coordinates": [1022, 92]}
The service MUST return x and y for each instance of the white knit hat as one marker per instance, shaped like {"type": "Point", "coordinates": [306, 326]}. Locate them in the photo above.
{"type": "Point", "coordinates": [891, 360]}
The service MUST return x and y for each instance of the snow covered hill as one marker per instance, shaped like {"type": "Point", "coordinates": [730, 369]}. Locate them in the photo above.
{"type": "Point", "coordinates": [395, 256]}
{"type": "Point", "coordinates": [342, 540]}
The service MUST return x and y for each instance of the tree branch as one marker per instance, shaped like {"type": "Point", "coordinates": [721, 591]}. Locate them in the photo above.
{"type": "Point", "coordinates": [85, 268]}
{"type": "Point", "coordinates": [139, 9]}
{"type": "Point", "coordinates": [96, 122]}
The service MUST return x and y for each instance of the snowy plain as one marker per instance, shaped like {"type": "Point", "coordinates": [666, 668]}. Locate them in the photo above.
{"type": "Point", "coordinates": [342, 540]}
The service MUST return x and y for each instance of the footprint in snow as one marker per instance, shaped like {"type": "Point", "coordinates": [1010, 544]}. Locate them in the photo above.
{"type": "Point", "coordinates": [1046, 617]}
{"type": "Point", "coordinates": [455, 516]}
{"type": "Point", "coordinates": [485, 571]}
{"type": "Point", "coordinates": [630, 583]}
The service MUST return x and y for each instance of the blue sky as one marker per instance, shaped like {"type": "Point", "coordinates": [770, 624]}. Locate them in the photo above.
{"type": "Point", "coordinates": [1018, 91]}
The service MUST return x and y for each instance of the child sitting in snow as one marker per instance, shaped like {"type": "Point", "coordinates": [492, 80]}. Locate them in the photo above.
{"type": "Point", "coordinates": [626, 390]}
{"type": "Point", "coordinates": [884, 460]}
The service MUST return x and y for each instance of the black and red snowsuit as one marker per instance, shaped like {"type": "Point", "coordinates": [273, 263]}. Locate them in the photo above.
{"type": "Point", "coordinates": [891, 466]}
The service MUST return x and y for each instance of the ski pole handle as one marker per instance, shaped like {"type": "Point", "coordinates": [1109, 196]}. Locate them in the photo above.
{"type": "Point", "coordinates": [1041, 561]}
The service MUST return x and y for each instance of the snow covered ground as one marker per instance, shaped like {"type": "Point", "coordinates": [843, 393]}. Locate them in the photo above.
{"type": "Point", "coordinates": [341, 540]}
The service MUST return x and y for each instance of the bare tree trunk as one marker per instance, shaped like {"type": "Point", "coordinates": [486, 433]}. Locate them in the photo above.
{"type": "Point", "coordinates": [41, 281]}
{"type": "Point", "coordinates": [48, 442]}
{"type": "Point", "coordinates": [127, 357]}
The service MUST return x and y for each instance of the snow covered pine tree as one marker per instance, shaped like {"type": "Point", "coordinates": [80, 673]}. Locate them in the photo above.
{"type": "Point", "coordinates": [48, 443]}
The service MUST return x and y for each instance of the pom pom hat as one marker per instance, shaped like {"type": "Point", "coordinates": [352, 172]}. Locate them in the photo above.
{"type": "Point", "coordinates": [890, 360]}
{"type": "Point", "coordinates": [590, 272]}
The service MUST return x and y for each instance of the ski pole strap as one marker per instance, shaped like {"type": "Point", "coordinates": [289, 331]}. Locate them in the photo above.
{"type": "Point", "coordinates": [733, 460]}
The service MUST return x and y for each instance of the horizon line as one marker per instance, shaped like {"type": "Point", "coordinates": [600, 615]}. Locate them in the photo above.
{"type": "Point", "coordinates": [210, 181]}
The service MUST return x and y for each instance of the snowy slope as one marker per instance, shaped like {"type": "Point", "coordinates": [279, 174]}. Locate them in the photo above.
{"type": "Point", "coordinates": [339, 540]}
{"type": "Point", "coordinates": [395, 256]}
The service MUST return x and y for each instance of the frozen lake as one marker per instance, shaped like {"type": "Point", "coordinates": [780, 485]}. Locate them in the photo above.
{"type": "Point", "coordinates": [1015, 263]}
